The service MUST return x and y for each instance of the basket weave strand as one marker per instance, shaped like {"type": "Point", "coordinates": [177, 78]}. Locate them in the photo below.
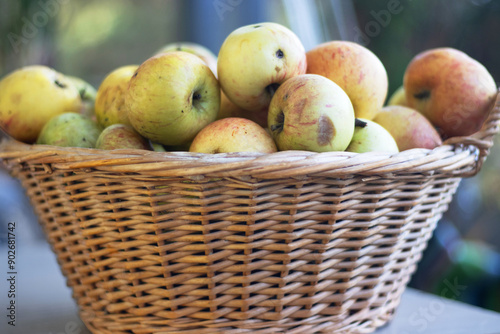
{"type": "Point", "coordinates": [291, 242]}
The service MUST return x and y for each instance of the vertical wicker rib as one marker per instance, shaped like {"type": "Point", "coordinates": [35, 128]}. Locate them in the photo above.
{"type": "Point", "coordinates": [294, 242]}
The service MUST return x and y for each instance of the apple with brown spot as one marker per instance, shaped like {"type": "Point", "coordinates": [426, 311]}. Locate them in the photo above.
{"type": "Point", "coordinates": [233, 134]}
{"type": "Point", "coordinates": [312, 113]}
{"type": "Point", "coordinates": [356, 69]}
{"type": "Point", "coordinates": [408, 127]}
{"type": "Point", "coordinates": [454, 91]}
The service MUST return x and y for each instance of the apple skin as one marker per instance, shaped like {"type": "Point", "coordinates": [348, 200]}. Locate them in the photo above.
{"type": "Point", "coordinates": [454, 91]}
{"type": "Point", "coordinates": [110, 100]}
{"type": "Point", "coordinates": [312, 113]}
{"type": "Point", "coordinates": [194, 48]}
{"type": "Point", "coordinates": [70, 129]}
{"type": "Point", "coordinates": [121, 136]}
{"type": "Point", "coordinates": [233, 134]}
{"type": "Point", "coordinates": [171, 97]}
{"type": "Point", "coordinates": [408, 127]}
{"type": "Point", "coordinates": [371, 137]}
{"type": "Point", "coordinates": [398, 98]}
{"type": "Point", "coordinates": [87, 94]}
{"type": "Point", "coordinates": [31, 96]}
{"type": "Point", "coordinates": [357, 70]}
{"type": "Point", "coordinates": [255, 59]}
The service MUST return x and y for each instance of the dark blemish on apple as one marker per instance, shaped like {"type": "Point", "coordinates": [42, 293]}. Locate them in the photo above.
{"type": "Point", "coordinates": [285, 97]}
{"type": "Point", "coordinates": [135, 74]}
{"type": "Point", "coordinates": [277, 69]}
{"type": "Point", "coordinates": [197, 96]}
{"type": "Point", "coordinates": [423, 95]}
{"type": "Point", "coordinates": [59, 84]}
{"type": "Point", "coordinates": [271, 89]}
{"type": "Point", "coordinates": [359, 123]}
{"type": "Point", "coordinates": [84, 139]}
{"type": "Point", "coordinates": [182, 111]}
{"type": "Point", "coordinates": [280, 122]}
{"type": "Point", "coordinates": [257, 26]}
{"type": "Point", "coordinates": [279, 54]}
{"type": "Point", "coordinates": [326, 131]}
{"type": "Point", "coordinates": [179, 48]}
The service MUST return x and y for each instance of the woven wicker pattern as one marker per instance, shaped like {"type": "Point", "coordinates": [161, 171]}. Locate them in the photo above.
{"type": "Point", "coordinates": [292, 242]}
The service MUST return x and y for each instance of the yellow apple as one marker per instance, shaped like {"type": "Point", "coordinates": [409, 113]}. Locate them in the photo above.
{"type": "Point", "coordinates": [357, 70]}
{"type": "Point", "coordinates": [454, 91]}
{"type": "Point", "coordinates": [312, 113]}
{"type": "Point", "coordinates": [110, 104]}
{"type": "Point", "coordinates": [398, 98]}
{"type": "Point", "coordinates": [31, 96]}
{"type": "Point", "coordinates": [408, 127]}
{"type": "Point", "coordinates": [171, 97]}
{"type": "Point", "coordinates": [371, 137]}
{"type": "Point", "coordinates": [197, 49]}
{"type": "Point", "coordinates": [255, 59]}
{"type": "Point", "coordinates": [233, 134]}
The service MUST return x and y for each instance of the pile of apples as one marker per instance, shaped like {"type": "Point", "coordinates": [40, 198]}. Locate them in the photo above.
{"type": "Point", "coordinates": [263, 93]}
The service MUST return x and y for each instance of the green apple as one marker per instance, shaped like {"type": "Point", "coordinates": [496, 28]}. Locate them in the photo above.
{"type": "Point", "coordinates": [233, 134]}
{"type": "Point", "coordinates": [197, 49]}
{"type": "Point", "coordinates": [171, 97]}
{"type": "Point", "coordinates": [121, 136]}
{"type": "Point", "coordinates": [87, 94]}
{"type": "Point", "coordinates": [109, 104]}
{"type": "Point", "coordinates": [70, 130]}
{"type": "Point", "coordinates": [454, 91]}
{"type": "Point", "coordinates": [408, 127]}
{"type": "Point", "coordinates": [31, 96]}
{"type": "Point", "coordinates": [312, 113]}
{"type": "Point", "coordinates": [255, 59]}
{"type": "Point", "coordinates": [371, 137]}
{"type": "Point", "coordinates": [357, 70]}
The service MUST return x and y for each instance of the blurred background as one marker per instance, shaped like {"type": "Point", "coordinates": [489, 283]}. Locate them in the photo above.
{"type": "Point", "coordinates": [90, 38]}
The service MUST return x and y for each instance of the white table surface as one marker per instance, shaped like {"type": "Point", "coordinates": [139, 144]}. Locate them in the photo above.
{"type": "Point", "coordinates": [45, 306]}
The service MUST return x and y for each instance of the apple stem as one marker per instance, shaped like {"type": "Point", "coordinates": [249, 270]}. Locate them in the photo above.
{"type": "Point", "coordinates": [59, 84]}
{"type": "Point", "coordinates": [360, 123]}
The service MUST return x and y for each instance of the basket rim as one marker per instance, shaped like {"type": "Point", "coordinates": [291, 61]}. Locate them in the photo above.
{"type": "Point", "coordinates": [457, 156]}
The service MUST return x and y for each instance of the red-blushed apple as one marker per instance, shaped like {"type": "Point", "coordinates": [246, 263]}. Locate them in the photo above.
{"type": "Point", "coordinates": [110, 101]}
{"type": "Point", "coordinates": [398, 98]}
{"type": "Point", "coordinates": [371, 137]}
{"type": "Point", "coordinates": [233, 134]}
{"type": "Point", "coordinates": [312, 113]}
{"type": "Point", "coordinates": [171, 97]}
{"type": "Point", "coordinates": [121, 136]}
{"type": "Point", "coordinates": [454, 91]}
{"type": "Point", "coordinates": [194, 48]}
{"type": "Point", "coordinates": [31, 96]}
{"type": "Point", "coordinates": [408, 127]}
{"type": "Point", "coordinates": [356, 69]}
{"type": "Point", "coordinates": [255, 59]}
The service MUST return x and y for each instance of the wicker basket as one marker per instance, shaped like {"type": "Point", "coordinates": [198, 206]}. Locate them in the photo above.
{"type": "Point", "coordinates": [291, 242]}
